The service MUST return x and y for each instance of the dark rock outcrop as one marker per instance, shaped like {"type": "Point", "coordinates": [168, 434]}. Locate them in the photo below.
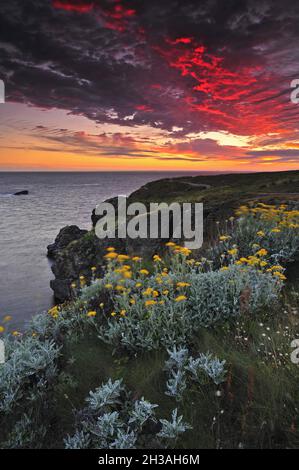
{"type": "Point", "coordinates": [21, 193]}
{"type": "Point", "coordinates": [75, 261]}
{"type": "Point", "coordinates": [66, 235]}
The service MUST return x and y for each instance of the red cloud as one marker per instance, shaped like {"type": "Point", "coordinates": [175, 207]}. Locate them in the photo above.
{"type": "Point", "coordinates": [115, 17]}
{"type": "Point", "coordinates": [233, 97]}
{"type": "Point", "coordinates": [183, 40]}
{"type": "Point", "coordinates": [80, 7]}
{"type": "Point", "coordinates": [143, 107]}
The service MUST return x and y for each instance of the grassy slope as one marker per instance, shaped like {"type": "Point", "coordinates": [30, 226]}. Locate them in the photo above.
{"type": "Point", "coordinates": [213, 188]}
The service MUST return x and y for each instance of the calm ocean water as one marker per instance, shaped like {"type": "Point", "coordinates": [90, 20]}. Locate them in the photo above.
{"type": "Point", "coordinates": [29, 223]}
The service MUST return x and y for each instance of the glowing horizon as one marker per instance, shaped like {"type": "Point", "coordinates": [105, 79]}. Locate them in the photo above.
{"type": "Point", "coordinates": [129, 96]}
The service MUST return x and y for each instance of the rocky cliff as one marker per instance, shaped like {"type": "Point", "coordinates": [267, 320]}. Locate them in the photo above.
{"type": "Point", "coordinates": [76, 250]}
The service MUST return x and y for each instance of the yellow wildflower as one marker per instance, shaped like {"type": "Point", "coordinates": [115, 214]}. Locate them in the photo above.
{"type": "Point", "coordinates": [93, 269]}
{"type": "Point", "coordinates": [126, 267]}
{"type": "Point", "coordinates": [183, 284]}
{"type": "Point", "coordinates": [113, 314]}
{"type": "Point", "coordinates": [144, 272]}
{"type": "Point", "coordinates": [225, 268]}
{"type": "Point", "coordinates": [91, 314]}
{"type": "Point", "coordinates": [122, 258]}
{"type": "Point", "coordinates": [111, 255]}
{"type": "Point", "coordinates": [224, 238]}
{"type": "Point", "coordinates": [261, 234]}
{"type": "Point", "coordinates": [136, 259]}
{"type": "Point", "coordinates": [16, 333]}
{"type": "Point", "coordinates": [253, 261]}
{"type": "Point", "coordinates": [123, 313]}
{"type": "Point", "coordinates": [263, 264]}
{"type": "Point", "coordinates": [170, 244]}
{"type": "Point", "coordinates": [147, 292]}
{"type": "Point", "coordinates": [183, 251]}
{"type": "Point", "coordinates": [54, 311]}
{"type": "Point", "coordinates": [281, 276]}
{"type": "Point", "coordinates": [191, 261]}
{"type": "Point", "coordinates": [110, 249]}
{"type": "Point", "coordinates": [233, 251]}
{"type": "Point", "coordinates": [277, 268]}
{"type": "Point", "coordinates": [108, 286]}
{"type": "Point", "coordinates": [2, 329]}
{"type": "Point", "coordinates": [127, 275]}
{"type": "Point", "coordinates": [148, 303]}
{"type": "Point", "coordinates": [7, 318]}
{"type": "Point", "coordinates": [120, 288]}
{"type": "Point", "coordinates": [262, 252]}
{"type": "Point", "coordinates": [276, 230]}
{"type": "Point", "coordinates": [180, 298]}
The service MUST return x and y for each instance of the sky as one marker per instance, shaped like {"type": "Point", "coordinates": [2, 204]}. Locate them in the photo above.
{"type": "Point", "coordinates": [197, 85]}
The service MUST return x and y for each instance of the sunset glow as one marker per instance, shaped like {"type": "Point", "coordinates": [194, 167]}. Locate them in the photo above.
{"type": "Point", "coordinates": [130, 85]}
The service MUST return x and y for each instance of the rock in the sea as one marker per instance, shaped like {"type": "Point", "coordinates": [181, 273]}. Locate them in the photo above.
{"type": "Point", "coordinates": [66, 235]}
{"type": "Point", "coordinates": [21, 193]}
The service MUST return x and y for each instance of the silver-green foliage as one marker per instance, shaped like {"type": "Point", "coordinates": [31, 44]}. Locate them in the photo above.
{"type": "Point", "coordinates": [211, 297]}
{"type": "Point", "coordinates": [172, 429]}
{"type": "Point", "coordinates": [107, 394]}
{"type": "Point", "coordinates": [217, 295]}
{"type": "Point", "coordinates": [182, 369]}
{"type": "Point", "coordinates": [113, 420]}
{"type": "Point", "coordinates": [30, 367]}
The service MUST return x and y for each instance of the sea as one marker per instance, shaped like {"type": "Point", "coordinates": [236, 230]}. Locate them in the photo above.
{"type": "Point", "coordinates": [30, 222]}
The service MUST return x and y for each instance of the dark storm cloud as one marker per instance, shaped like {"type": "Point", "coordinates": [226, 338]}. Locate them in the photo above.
{"type": "Point", "coordinates": [138, 62]}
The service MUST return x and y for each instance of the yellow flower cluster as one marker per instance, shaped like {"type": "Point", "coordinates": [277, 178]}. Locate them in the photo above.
{"type": "Point", "coordinates": [6, 319]}
{"type": "Point", "coordinates": [224, 238]}
{"type": "Point", "coordinates": [54, 311]}
{"type": "Point", "coordinates": [91, 314]}
{"type": "Point", "coordinates": [277, 214]}
{"type": "Point", "coordinates": [178, 250]}
{"type": "Point", "coordinates": [122, 313]}
{"type": "Point", "coordinates": [251, 261]}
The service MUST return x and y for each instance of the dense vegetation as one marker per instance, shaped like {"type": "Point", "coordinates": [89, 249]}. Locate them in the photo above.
{"type": "Point", "coordinates": [185, 351]}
